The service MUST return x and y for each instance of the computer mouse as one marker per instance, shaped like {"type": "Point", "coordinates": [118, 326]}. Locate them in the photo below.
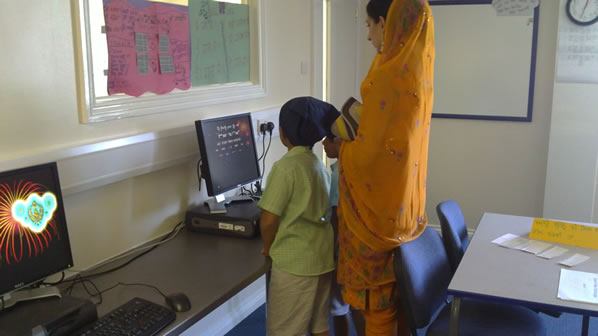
{"type": "Point", "coordinates": [178, 302]}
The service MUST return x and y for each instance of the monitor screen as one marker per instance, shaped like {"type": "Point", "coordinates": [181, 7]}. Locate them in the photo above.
{"type": "Point", "coordinates": [228, 152]}
{"type": "Point", "coordinates": [34, 241]}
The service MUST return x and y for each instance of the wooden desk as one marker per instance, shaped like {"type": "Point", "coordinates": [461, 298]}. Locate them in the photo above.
{"type": "Point", "coordinates": [494, 273]}
{"type": "Point", "coordinates": [210, 269]}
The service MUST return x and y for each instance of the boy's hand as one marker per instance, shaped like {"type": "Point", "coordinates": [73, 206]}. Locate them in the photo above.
{"type": "Point", "coordinates": [265, 253]}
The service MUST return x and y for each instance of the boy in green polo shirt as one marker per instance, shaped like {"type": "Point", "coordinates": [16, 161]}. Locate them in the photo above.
{"type": "Point", "coordinates": [294, 229]}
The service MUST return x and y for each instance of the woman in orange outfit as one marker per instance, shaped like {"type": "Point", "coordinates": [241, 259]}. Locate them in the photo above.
{"type": "Point", "coordinates": [383, 170]}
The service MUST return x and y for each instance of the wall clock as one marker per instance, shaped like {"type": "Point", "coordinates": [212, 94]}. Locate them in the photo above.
{"type": "Point", "coordinates": [582, 12]}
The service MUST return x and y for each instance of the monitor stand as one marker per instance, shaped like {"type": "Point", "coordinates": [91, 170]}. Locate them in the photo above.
{"type": "Point", "coordinates": [218, 204]}
{"type": "Point", "coordinates": [13, 298]}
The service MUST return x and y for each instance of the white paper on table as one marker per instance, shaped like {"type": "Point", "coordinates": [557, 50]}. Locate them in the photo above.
{"type": "Point", "coordinates": [516, 243]}
{"type": "Point", "coordinates": [575, 259]}
{"type": "Point", "coordinates": [534, 246]}
{"type": "Point", "coordinates": [578, 286]}
{"type": "Point", "coordinates": [504, 238]}
{"type": "Point", "coordinates": [510, 240]}
{"type": "Point", "coordinates": [555, 251]}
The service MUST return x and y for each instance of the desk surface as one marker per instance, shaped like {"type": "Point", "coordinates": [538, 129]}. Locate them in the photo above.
{"type": "Point", "coordinates": [209, 269]}
{"type": "Point", "coordinates": [506, 275]}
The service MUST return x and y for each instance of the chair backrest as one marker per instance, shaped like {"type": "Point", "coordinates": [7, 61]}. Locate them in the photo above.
{"type": "Point", "coordinates": [454, 231]}
{"type": "Point", "coordinates": [423, 275]}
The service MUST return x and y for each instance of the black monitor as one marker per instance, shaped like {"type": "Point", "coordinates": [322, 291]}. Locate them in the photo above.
{"type": "Point", "coordinates": [227, 148]}
{"type": "Point", "coordinates": [34, 241]}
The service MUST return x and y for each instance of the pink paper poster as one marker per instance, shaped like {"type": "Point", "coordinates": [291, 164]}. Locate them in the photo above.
{"type": "Point", "coordinates": [148, 47]}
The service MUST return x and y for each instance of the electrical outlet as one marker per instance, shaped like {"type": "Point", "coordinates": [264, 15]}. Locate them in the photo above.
{"type": "Point", "coordinates": [265, 127]}
{"type": "Point", "coordinates": [263, 117]}
{"type": "Point", "coordinates": [259, 124]}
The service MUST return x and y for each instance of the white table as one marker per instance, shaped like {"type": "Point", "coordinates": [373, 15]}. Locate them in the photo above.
{"type": "Point", "coordinates": [498, 274]}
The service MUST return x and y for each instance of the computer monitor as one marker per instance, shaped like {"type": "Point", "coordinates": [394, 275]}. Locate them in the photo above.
{"type": "Point", "coordinates": [228, 154]}
{"type": "Point", "coordinates": [34, 241]}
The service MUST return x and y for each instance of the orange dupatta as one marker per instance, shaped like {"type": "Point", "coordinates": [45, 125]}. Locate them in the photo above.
{"type": "Point", "coordinates": [383, 171]}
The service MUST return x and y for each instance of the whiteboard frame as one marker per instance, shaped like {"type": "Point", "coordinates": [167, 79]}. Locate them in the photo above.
{"type": "Point", "coordinates": [532, 75]}
{"type": "Point", "coordinates": [96, 109]}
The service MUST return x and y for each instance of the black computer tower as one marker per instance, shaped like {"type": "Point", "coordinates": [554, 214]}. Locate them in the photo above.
{"type": "Point", "coordinates": [52, 316]}
{"type": "Point", "coordinates": [240, 220]}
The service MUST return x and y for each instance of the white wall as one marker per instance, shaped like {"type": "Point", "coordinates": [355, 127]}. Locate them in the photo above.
{"type": "Point", "coordinates": [40, 123]}
{"type": "Point", "coordinates": [573, 153]}
{"type": "Point", "coordinates": [486, 165]}
{"type": "Point", "coordinates": [38, 77]}
{"type": "Point", "coordinates": [494, 166]}
{"type": "Point", "coordinates": [343, 30]}
{"type": "Point", "coordinates": [350, 53]}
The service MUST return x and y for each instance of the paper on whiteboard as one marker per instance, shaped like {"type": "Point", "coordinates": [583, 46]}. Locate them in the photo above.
{"type": "Point", "coordinates": [578, 286]}
{"type": "Point", "coordinates": [133, 64]}
{"type": "Point", "coordinates": [515, 7]}
{"type": "Point", "coordinates": [577, 60]}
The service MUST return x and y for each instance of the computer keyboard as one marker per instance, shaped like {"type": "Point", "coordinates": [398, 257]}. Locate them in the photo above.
{"type": "Point", "coordinates": [135, 317]}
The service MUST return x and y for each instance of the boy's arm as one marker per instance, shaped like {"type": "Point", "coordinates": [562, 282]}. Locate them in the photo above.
{"type": "Point", "coordinates": [268, 228]}
{"type": "Point", "coordinates": [274, 201]}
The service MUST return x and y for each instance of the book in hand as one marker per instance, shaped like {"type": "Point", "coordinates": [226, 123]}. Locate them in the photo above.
{"type": "Point", "coordinates": [346, 125]}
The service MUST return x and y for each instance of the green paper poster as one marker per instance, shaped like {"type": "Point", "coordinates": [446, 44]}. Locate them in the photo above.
{"type": "Point", "coordinates": [219, 42]}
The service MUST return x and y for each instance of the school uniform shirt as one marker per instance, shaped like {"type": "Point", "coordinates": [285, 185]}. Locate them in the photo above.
{"type": "Point", "coordinates": [297, 191]}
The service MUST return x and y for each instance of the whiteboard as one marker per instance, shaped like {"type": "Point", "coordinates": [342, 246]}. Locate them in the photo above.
{"type": "Point", "coordinates": [485, 63]}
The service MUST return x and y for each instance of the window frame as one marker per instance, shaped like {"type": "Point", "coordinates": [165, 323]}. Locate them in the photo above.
{"type": "Point", "coordinates": [96, 109]}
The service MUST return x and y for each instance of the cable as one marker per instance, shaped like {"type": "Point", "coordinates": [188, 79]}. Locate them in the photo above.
{"type": "Point", "coordinates": [257, 141]}
{"type": "Point", "coordinates": [244, 191]}
{"type": "Point", "coordinates": [98, 293]}
{"type": "Point", "coordinates": [54, 283]}
{"type": "Point", "coordinates": [165, 239]}
{"type": "Point", "coordinates": [258, 184]}
{"type": "Point", "coordinates": [69, 289]}
{"type": "Point", "coordinates": [96, 288]}
{"type": "Point", "coordinates": [263, 147]}
{"type": "Point", "coordinates": [130, 284]}
{"type": "Point", "coordinates": [264, 157]}
{"type": "Point", "coordinates": [80, 280]}
{"type": "Point", "coordinates": [198, 173]}
{"type": "Point", "coordinates": [149, 248]}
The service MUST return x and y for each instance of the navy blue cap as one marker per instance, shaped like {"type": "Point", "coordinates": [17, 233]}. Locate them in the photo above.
{"type": "Point", "coordinates": [306, 120]}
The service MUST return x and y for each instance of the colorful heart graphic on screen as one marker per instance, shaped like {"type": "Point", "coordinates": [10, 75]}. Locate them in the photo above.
{"type": "Point", "coordinates": [35, 212]}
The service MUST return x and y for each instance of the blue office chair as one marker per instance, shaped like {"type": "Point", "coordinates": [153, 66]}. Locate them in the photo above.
{"type": "Point", "coordinates": [454, 231]}
{"type": "Point", "coordinates": [423, 274]}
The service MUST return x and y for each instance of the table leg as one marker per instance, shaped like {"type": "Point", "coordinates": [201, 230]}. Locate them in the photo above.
{"type": "Point", "coordinates": [585, 325]}
{"type": "Point", "coordinates": [455, 306]}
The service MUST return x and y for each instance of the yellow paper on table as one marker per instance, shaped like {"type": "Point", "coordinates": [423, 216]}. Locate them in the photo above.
{"type": "Point", "coordinates": [565, 233]}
